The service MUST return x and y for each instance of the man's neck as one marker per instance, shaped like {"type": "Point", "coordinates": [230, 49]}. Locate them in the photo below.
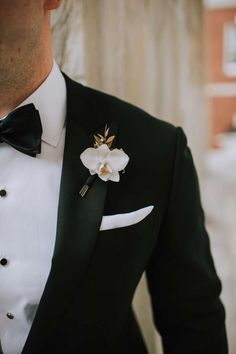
{"type": "Point", "coordinates": [22, 86]}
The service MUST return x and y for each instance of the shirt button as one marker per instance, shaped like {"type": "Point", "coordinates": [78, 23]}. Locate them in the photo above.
{"type": "Point", "coordinates": [10, 316]}
{"type": "Point", "coordinates": [3, 262]}
{"type": "Point", "coordinates": [3, 193]}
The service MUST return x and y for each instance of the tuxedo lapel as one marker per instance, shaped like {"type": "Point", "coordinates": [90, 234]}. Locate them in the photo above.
{"type": "Point", "coordinates": [79, 220]}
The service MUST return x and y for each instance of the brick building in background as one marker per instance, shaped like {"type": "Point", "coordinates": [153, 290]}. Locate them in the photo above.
{"type": "Point", "coordinates": [221, 65]}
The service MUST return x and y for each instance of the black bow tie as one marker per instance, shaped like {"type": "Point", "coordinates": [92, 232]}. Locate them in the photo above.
{"type": "Point", "coordinates": [22, 129]}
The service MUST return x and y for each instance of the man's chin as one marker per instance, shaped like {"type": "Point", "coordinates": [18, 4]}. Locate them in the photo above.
{"type": "Point", "coordinates": [7, 73]}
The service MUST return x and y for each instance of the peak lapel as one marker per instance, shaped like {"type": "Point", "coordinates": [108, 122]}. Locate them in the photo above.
{"type": "Point", "coordinates": [78, 223]}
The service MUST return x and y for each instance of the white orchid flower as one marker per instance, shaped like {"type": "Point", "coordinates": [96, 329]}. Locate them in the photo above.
{"type": "Point", "coordinates": [104, 162]}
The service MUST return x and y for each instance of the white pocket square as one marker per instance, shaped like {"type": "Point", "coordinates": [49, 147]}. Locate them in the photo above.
{"type": "Point", "coordinates": [126, 219]}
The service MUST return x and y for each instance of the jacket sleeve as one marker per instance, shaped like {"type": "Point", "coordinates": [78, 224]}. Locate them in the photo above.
{"type": "Point", "coordinates": [182, 279]}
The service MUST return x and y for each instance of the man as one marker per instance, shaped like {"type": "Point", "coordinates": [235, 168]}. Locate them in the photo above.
{"type": "Point", "coordinates": [73, 248]}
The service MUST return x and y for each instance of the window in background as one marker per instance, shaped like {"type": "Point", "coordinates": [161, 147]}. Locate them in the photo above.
{"type": "Point", "coordinates": [229, 63]}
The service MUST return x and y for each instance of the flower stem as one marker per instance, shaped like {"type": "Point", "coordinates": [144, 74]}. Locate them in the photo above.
{"type": "Point", "coordinates": [87, 185]}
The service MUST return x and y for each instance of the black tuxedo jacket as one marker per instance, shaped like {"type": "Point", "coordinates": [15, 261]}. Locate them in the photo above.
{"type": "Point", "coordinates": [86, 304]}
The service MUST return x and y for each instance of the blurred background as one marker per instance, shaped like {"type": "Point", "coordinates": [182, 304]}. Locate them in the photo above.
{"type": "Point", "coordinates": [177, 60]}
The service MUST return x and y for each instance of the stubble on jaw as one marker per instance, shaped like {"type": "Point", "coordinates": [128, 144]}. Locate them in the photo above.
{"type": "Point", "coordinates": [23, 55]}
{"type": "Point", "coordinates": [16, 66]}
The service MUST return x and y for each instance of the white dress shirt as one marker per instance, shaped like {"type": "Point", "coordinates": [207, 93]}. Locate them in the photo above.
{"type": "Point", "coordinates": [28, 215]}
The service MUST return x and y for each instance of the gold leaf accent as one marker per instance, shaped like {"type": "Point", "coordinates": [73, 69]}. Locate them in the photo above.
{"type": "Point", "coordinates": [100, 139]}
{"type": "Point", "coordinates": [106, 131]}
{"type": "Point", "coordinates": [96, 138]}
{"type": "Point", "coordinates": [110, 139]}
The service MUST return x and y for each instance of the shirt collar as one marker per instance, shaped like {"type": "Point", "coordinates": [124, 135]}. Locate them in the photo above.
{"type": "Point", "coordinates": [50, 100]}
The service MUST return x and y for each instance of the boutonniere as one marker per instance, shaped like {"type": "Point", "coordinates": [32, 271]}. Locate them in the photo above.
{"type": "Point", "coordinates": [103, 161]}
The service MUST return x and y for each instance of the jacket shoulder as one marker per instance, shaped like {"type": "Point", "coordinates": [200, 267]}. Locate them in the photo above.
{"type": "Point", "coordinates": [135, 124]}
{"type": "Point", "coordinates": [124, 112]}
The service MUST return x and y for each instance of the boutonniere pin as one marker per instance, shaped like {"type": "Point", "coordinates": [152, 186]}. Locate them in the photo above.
{"type": "Point", "coordinates": [103, 161]}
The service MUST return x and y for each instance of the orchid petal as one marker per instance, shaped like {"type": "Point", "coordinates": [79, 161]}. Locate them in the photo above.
{"type": "Point", "coordinates": [117, 159]}
{"type": "Point", "coordinates": [103, 151]}
{"type": "Point", "coordinates": [104, 177]}
{"type": "Point", "coordinates": [92, 172]}
{"type": "Point", "coordinates": [115, 176]}
{"type": "Point", "coordinates": [90, 158]}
